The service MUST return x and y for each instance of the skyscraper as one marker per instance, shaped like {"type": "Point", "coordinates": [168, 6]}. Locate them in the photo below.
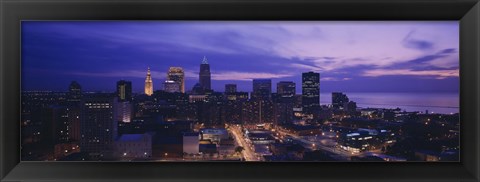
{"type": "Point", "coordinates": [339, 100]}
{"type": "Point", "coordinates": [204, 75]}
{"type": "Point", "coordinates": [74, 100]}
{"type": "Point", "coordinates": [262, 89]}
{"type": "Point", "coordinates": [74, 92]}
{"type": "Point", "coordinates": [171, 86]}
{"type": "Point", "coordinates": [310, 92]}
{"type": "Point", "coordinates": [148, 84]}
{"type": "Point", "coordinates": [123, 111]}
{"type": "Point", "coordinates": [124, 90]}
{"type": "Point", "coordinates": [230, 88]}
{"type": "Point", "coordinates": [286, 88]}
{"type": "Point", "coordinates": [98, 126]}
{"type": "Point", "coordinates": [176, 74]}
{"type": "Point", "coordinates": [284, 102]}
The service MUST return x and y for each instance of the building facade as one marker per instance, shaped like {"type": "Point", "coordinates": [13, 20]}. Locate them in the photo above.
{"type": "Point", "coordinates": [124, 90]}
{"type": "Point", "coordinates": [310, 92]}
{"type": "Point", "coordinates": [133, 146]}
{"type": "Point", "coordinates": [177, 75]}
{"type": "Point", "coordinates": [262, 89]}
{"type": "Point", "coordinates": [148, 84]}
{"type": "Point", "coordinates": [339, 100]}
{"type": "Point", "coordinates": [230, 88]}
{"type": "Point", "coordinates": [205, 75]}
{"type": "Point", "coordinates": [171, 86]}
{"type": "Point", "coordinates": [98, 127]}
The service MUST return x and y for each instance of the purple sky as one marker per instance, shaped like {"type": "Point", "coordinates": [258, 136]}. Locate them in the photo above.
{"type": "Point", "coordinates": [415, 56]}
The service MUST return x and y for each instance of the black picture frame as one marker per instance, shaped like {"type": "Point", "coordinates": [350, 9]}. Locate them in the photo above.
{"type": "Point", "coordinates": [14, 11]}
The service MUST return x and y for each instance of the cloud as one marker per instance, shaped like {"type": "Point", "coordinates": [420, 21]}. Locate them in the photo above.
{"type": "Point", "coordinates": [412, 43]}
{"type": "Point", "coordinates": [324, 47]}
{"type": "Point", "coordinates": [333, 79]}
{"type": "Point", "coordinates": [418, 44]}
{"type": "Point", "coordinates": [121, 74]}
{"type": "Point", "coordinates": [438, 74]}
{"type": "Point", "coordinates": [247, 76]}
{"type": "Point", "coordinates": [305, 67]}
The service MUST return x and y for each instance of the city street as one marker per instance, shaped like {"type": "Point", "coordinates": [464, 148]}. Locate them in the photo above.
{"type": "Point", "coordinates": [248, 153]}
{"type": "Point", "coordinates": [317, 145]}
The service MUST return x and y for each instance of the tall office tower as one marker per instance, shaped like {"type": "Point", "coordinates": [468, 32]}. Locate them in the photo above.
{"type": "Point", "coordinates": [310, 92]}
{"type": "Point", "coordinates": [98, 126]}
{"type": "Point", "coordinates": [171, 86]}
{"type": "Point", "coordinates": [124, 90]}
{"type": "Point", "coordinates": [284, 102]}
{"type": "Point", "coordinates": [262, 89]}
{"type": "Point", "coordinates": [176, 74]}
{"type": "Point", "coordinates": [339, 100]}
{"type": "Point", "coordinates": [286, 89]}
{"type": "Point", "coordinates": [74, 92]}
{"type": "Point", "coordinates": [123, 111]}
{"type": "Point", "coordinates": [204, 75]}
{"type": "Point", "coordinates": [148, 83]}
{"type": "Point", "coordinates": [74, 98]}
{"type": "Point", "coordinates": [230, 88]}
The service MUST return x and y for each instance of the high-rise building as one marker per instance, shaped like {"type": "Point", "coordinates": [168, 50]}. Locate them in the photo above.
{"type": "Point", "coordinates": [230, 88]}
{"type": "Point", "coordinates": [283, 112]}
{"type": "Point", "coordinates": [176, 74]}
{"type": "Point", "coordinates": [171, 86]}
{"type": "Point", "coordinates": [148, 84]}
{"type": "Point", "coordinates": [124, 90]}
{"type": "Point", "coordinates": [123, 111]}
{"type": "Point", "coordinates": [262, 89]}
{"type": "Point", "coordinates": [74, 98]}
{"type": "Point", "coordinates": [284, 102]}
{"type": "Point", "coordinates": [339, 100]}
{"type": "Point", "coordinates": [310, 92]}
{"type": "Point", "coordinates": [74, 92]}
{"type": "Point", "coordinates": [286, 89]}
{"type": "Point", "coordinates": [98, 127]}
{"type": "Point", "coordinates": [204, 75]}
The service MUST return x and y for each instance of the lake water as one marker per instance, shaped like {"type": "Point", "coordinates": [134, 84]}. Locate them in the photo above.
{"type": "Point", "coordinates": [433, 102]}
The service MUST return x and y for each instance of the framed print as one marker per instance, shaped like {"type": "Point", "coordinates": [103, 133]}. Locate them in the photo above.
{"type": "Point", "coordinates": [201, 90]}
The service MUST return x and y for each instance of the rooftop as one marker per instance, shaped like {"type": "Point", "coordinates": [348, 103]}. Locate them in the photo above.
{"type": "Point", "coordinates": [130, 137]}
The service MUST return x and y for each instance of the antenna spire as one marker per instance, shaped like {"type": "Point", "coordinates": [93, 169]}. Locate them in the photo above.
{"type": "Point", "coordinates": [204, 61]}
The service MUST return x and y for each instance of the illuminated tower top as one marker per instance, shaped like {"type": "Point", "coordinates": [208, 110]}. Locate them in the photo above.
{"type": "Point", "coordinates": [148, 83]}
{"type": "Point", "coordinates": [204, 61]}
{"type": "Point", "coordinates": [205, 75]}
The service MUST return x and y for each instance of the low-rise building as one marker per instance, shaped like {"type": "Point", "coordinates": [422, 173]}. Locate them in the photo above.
{"type": "Point", "coordinates": [191, 143]}
{"type": "Point", "coordinates": [133, 146]}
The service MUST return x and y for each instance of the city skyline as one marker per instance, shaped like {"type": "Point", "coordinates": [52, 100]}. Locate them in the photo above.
{"type": "Point", "coordinates": [239, 91]}
{"type": "Point", "coordinates": [419, 61]}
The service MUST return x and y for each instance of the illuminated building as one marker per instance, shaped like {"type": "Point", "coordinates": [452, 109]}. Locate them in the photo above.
{"type": "Point", "coordinates": [171, 86]}
{"type": "Point", "coordinates": [176, 74]}
{"type": "Point", "coordinates": [148, 84]}
{"type": "Point", "coordinates": [215, 135]}
{"type": "Point", "coordinates": [310, 92]}
{"type": "Point", "coordinates": [197, 98]}
{"type": "Point", "coordinates": [124, 90]}
{"type": "Point", "coordinates": [123, 111]}
{"type": "Point", "coordinates": [98, 127]}
{"type": "Point", "coordinates": [204, 75]}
